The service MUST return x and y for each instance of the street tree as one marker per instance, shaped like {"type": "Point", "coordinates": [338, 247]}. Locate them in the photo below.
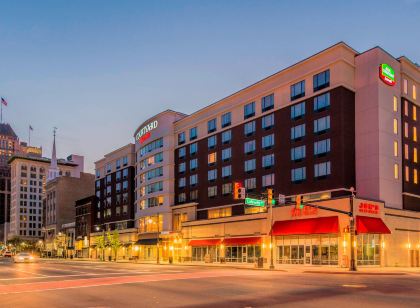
{"type": "Point", "coordinates": [100, 242]}
{"type": "Point", "coordinates": [114, 242]}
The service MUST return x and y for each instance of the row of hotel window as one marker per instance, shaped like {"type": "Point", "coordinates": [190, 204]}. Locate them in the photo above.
{"type": "Point", "coordinates": [121, 162]}
{"type": "Point", "coordinates": [321, 102]}
{"type": "Point", "coordinates": [321, 125]}
{"type": "Point", "coordinates": [119, 199]}
{"type": "Point", "coordinates": [118, 177]}
{"type": "Point", "coordinates": [118, 211]}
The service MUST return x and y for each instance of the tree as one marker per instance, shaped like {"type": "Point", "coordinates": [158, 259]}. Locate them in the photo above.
{"type": "Point", "coordinates": [100, 242]}
{"type": "Point", "coordinates": [114, 242]}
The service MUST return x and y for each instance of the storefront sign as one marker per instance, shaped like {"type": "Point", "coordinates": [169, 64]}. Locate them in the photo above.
{"type": "Point", "coordinates": [254, 202]}
{"type": "Point", "coordinates": [306, 211]}
{"type": "Point", "coordinates": [387, 74]}
{"type": "Point", "coordinates": [369, 208]}
{"type": "Point", "coordinates": [145, 132]}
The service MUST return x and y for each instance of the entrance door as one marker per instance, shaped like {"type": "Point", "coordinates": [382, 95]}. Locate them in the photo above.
{"type": "Point", "coordinates": [244, 254]}
{"type": "Point", "coordinates": [415, 258]}
{"type": "Point", "coordinates": [308, 255]}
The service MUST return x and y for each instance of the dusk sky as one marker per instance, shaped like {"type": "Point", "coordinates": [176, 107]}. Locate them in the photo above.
{"type": "Point", "coordinates": [97, 69]}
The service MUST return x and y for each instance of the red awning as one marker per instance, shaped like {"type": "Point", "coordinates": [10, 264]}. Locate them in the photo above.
{"type": "Point", "coordinates": [365, 224]}
{"type": "Point", "coordinates": [242, 241]}
{"type": "Point", "coordinates": [320, 225]}
{"type": "Point", "coordinates": [209, 242]}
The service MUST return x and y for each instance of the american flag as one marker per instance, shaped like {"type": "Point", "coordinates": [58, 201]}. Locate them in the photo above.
{"type": "Point", "coordinates": [3, 101]}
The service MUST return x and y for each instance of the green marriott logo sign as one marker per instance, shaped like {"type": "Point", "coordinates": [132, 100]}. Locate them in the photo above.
{"type": "Point", "coordinates": [387, 74]}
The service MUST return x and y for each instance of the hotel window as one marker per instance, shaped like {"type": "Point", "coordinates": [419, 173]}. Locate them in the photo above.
{"type": "Point", "coordinates": [181, 167]}
{"type": "Point", "coordinates": [268, 161]}
{"type": "Point", "coordinates": [396, 171]}
{"type": "Point", "coordinates": [211, 142]}
{"type": "Point", "coordinates": [267, 103]}
{"type": "Point", "coordinates": [414, 113]}
{"type": "Point", "coordinates": [212, 191]}
{"type": "Point", "coordinates": [193, 180]}
{"type": "Point", "coordinates": [405, 129]}
{"type": "Point", "coordinates": [321, 125]}
{"type": "Point", "coordinates": [322, 169]}
{"type": "Point", "coordinates": [406, 154]}
{"type": "Point", "coordinates": [297, 90]}
{"type": "Point", "coordinates": [227, 189]}
{"type": "Point", "coordinates": [181, 152]}
{"type": "Point", "coordinates": [226, 154]}
{"type": "Point", "coordinates": [181, 138]}
{"type": "Point", "coordinates": [193, 164]}
{"type": "Point", "coordinates": [212, 158]}
{"type": "Point", "coordinates": [226, 171]}
{"type": "Point", "coordinates": [395, 126]}
{"type": "Point", "coordinates": [193, 148]}
{"type": "Point", "coordinates": [415, 155]}
{"type": "Point", "coordinates": [249, 110]}
{"type": "Point", "coordinates": [415, 178]}
{"type": "Point", "coordinates": [211, 126]}
{"type": "Point", "coordinates": [268, 141]}
{"type": "Point", "coordinates": [181, 182]}
{"type": "Point", "coordinates": [414, 92]}
{"type": "Point", "coordinates": [194, 195]}
{"type": "Point", "coordinates": [406, 108]}
{"type": "Point", "coordinates": [267, 121]}
{"type": "Point", "coordinates": [407, 174]}
{"type": "Point", "coordinates": [298, 153]}
{"type": "Point", "coordinates": [322, 147]}
{"type": "Point", "coordinates": [414, 133]}
{"type": "Point", "coordinates": [108, 179]}
{"type": "Point", "coordinates": [108, 168]}
{"type": "Point", "coordinates": [226, 136]}
{"type": "Point", "coordinates": [212, 175]}
{"type": "Point", "coordinates": [118, 164]}
{"type": "Point", "coordinates": [250, 165]}
{"type": "Point", "coordinates": [250, 183]}
{"type": "Point", "coordinates": [249, 147]}
{"type": "Point", "coordinates": [395, 148]}
{"type": "Point", "coordinates": [226, 119]}
{"type": "Point", "coordinates": [249, 128]}
{"type": "Point", "coordinates": [268, 180]}
{"type": "Point", "coordinates": [322, 102]}
{"type": "Point", "coordinates": [182, 197]}
{"type": "Point", "coordinates": [125, 161]}
{"type": "Point", "coordinates": [298, 132]}
{"type": "Point", "coordinates": [395, 104]}
{"type": "Point", "coordinates": [321, 80]}
{"type": "Point", "coordinates": [405, 82]}
{"type": "Point", "coordinates": [193, 133]}
{"type": "Point", "coordinates": [98, 174]}
{"type": "Point", "coordinates": [125, 173]}
{"type": "Point", "coordinates": [297, 111]}
{"type": "Point", "coordinates": [218, 213]}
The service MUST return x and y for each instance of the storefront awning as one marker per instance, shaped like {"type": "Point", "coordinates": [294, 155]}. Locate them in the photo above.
{"type": "Point", "coordinates": [320, 225]}
{"type": "Point", "coordinates": [147, 241]}
{"type": "Point", "coordinates": [242, 241]}
{"type": "Point", "coordinates": [365, 224]}
{"type": "Point", "coordinates": [208, 242]}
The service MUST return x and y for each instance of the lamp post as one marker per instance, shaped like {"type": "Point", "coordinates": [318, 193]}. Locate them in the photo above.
{"type": "Point", "coordinates": [352, 233]}
{"type": "Point", "coordinates": [271, 238]}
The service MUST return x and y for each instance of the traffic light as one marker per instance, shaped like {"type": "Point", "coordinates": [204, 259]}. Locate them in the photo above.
{"type": "Point", "coordinates": [299, 204]}
{"type": "Point", "coordinates": [269, 196]}
{"type": "Point", "coordinates": [242, 193]}
{"type": "Point", "coordinates": [236, 187]}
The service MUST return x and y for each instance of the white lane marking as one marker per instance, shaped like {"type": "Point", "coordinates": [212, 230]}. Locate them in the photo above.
{"type": "Point", "coordinates": [354, 286]}
{"type": "Point", "coordinates": [59, 276]}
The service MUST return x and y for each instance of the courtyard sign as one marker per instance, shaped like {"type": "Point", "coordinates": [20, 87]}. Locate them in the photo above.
{"type": "Point", "coordinates": [387, 74]}
{"type": "Point", "coordinates": [145, 132]}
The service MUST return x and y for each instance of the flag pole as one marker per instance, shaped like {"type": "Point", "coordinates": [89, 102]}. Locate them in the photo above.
{"type": "Point", "coordinates": [29, 141]}
{"type": "Point", "coordinates": [1, 116]}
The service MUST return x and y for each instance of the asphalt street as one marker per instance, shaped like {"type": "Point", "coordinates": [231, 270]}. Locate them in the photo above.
{"type": "Point", "coordinates": [94, 284]}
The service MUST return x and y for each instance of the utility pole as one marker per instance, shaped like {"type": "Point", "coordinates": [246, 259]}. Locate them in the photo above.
{"type": "Point", "coordinates": [271, 238]}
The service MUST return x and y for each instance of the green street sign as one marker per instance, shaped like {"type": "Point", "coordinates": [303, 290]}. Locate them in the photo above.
{"type": "Point", "coordinates": [254, 202]}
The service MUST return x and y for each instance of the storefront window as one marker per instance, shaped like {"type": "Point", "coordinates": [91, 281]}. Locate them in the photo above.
{"type": "Point", "coordinates": [206, 253]}
{"type": "Point", "coordinates": [368, 249]}
{"type": "Point", "coordinates": [243, 253]}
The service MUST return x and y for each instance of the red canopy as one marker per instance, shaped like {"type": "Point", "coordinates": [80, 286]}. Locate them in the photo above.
{"type": "Point", "coordinates": [242, 241]}
{"type": "Point", "coordinates": [365, 224]}
{"type": "Point", "coordinates": [320, 225]}
{"type": "Point", "coordinates": [209, 242]}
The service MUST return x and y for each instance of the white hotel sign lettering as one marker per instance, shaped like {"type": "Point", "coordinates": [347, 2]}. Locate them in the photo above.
{"type": "Point", "coordinates": [144, 133]}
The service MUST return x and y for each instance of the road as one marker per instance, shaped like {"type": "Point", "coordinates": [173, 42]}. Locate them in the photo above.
{"type": "Point", "coordinates": [94, 284]}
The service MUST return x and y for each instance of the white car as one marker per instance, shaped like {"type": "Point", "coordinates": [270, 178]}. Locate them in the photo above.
{"type": "Point", "coordinates": [23, 257]}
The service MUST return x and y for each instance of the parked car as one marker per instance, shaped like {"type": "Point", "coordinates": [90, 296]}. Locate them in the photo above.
{"type": "Point", "coordinates": [24, 257]}
{"type": "Point", "coordinates": [7, 254]}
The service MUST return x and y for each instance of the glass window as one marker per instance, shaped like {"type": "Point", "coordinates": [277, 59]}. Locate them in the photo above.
{"type": "Point", "coordinates": [321, 80]}
{"type": "Point", "coordinates": [297, 90]}
{"type": "Point", "coordinates": [212, 141]}
{"type": "Point", "coordinates": [226, 171]}
{"type": "Point", "coordinates": [250, 165]}
{"type": "Point", "coordinates": [267, 103]}
{"type": "Point", "coordinates": [395, 104]}
{"type": "Point", "coordinates": [227, 189]}
{"type": "Point", "coordinates": [212, 158]}
{"type": "Point", "coordinates": [212, 175]}
{"type": "Point", "coordinates": [250, 183]}
{"type": "Point", "coordinates": [298, 174]}
{"type": "Point", "coordinates": [193, 133]}
{"type": "Point", "coordinates": [322, 147]}
{"type": "Point", "coordinates": [194, 195]}
{"type": "Point", "coordinates": [211, 126]}
{"type": "Point", "coordinates": [249, 110]}
{"type": "Point", "coordinates": [218, 213]}
{"type": "Point", "coordinates": [181, 152]}
{"type": "Point", "coordinates": [414, 113]}
{"type": "Point", "coordinates": [322, 169]}
{"type": "Point", "coordinates": [193, 164]}
{"type": "Point", "coordinates": [118, 164]}
{"type": "Point", "coordinates": [322, 102]}
{"type": "Point", "coordinates": [414, 92]}
{"type": "Point", "coordinates": [193, 148]}
{"type": "Point", "coordinates": [322, 124]}
{"type": "Point", "coordinates": [226, 119]}
{"type": "Point", "coordinates": [298, 153]}
{"type": "Point", "coordinates": [405, 83]}
{"type": "Point", "coordinates": [193, 180]}
{"type": "Point", "coordinates": [298, 132]}
{"type": "Point", "coordinates": [249, 128]}
{"type": "Point", "coordinates": [212, 191]}
{"type": "Point", "coordinates": [268, 141]}
{"type": "Point", "coordinates": [268, 180]}
{"type": "Point", "coordinates": [226, 154]}
{"type": "Point", "coordinates": [249, 147]}
{"type": "Point", "coordinates": [395, 126]}
{"type": "Point", "coordinates": [182, 197]}
{"type": "Point", "coordinates": [181, 167]}
{"type": "Point", "coordinates": [268, 161]}
{"type": "Point", "coordinates": [226, 136]}
{"type": "Point", "coordinates": [267, 121]}
{"type": "Point", "coordinates": [181, 182]}
{"type": "Point", "coordinates": [297, 111]}
{"type": "Point", "coordinates": [396, 171]}
{"type": "Point", "coordinates": [181, 138]}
